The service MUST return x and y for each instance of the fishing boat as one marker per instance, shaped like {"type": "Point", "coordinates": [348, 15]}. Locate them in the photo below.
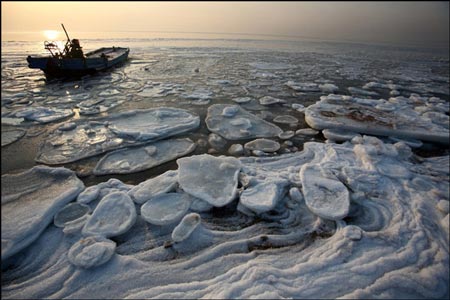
{"type": "Point", "coordinates": [71, 61]}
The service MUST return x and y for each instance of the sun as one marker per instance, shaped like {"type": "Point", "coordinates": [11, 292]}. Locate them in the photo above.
{"type": "Point", "coordinates": [51, 34]}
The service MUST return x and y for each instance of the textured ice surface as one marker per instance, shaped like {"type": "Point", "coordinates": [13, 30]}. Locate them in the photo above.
{"type": "Point", "coordinates": [152, 187]}
{"type": "Point", "coordinates": [362, 92]}
{"type": "Point", "coordinates": [11, 135]}
{"type": "Point", "coordinates": [263, 197]}
{"type": "Point", "coordinates": [327, 197]}
{"type": "Point", "coordinates": [264, 145]}
{"type": "Point", "coordinates": [30, 200]}
{"type": "Point", "coordinates": [165, 209]}
{"type": "Point", "coordinates": [114, 215]}
{"type": "Point", "coordinates": [285, 119]}
{"type": "Point", "coordinates": [243, 125]}
{"type": "Point", "coordinates": [91, 252]}
{"type": "Point", "coordinates": [117, 131]}
{"type": "Point", "coordinates": [213, 179]}
{"type": "Point", "coordinates": [187, 225]}
{"type": "Point", "coordinates": [71, 213]}
{"type": "Point", "coordinates": [395, 117]}
{"type": "Point", "coordinates": [97, 192]}
{"type": "Point", "coordinates": [42, 114]}
{"type": "Point", "coordinates": [393, 243]}
{"type": "Point", "coordinates": [140, 158]}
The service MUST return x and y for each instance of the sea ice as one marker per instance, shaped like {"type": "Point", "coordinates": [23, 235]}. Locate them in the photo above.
{"type": "Point", "coordinates": [326, 197]}
{"type": "Point", "coordinates": [328, 88]}
{"type": "Point", "coordinates": [363, 116]}
{"type": "Point", "coordinates": [12, 135]}
{"type": "Point", "coordinates": [264, 145]}
{"type": "Point", "coordinates": [213, 179]}
{"type": "Point", "coordinates": [337, 135]}
{"type": "Point", "coordinates": [285, 135]}
{"type": "Point", "coordinates": [236, 150]}
{"type": "Point", "coordinates": [243, 125]}
{"type": "Point", "coordinates": [153, 187]}
{"type": "Point", "coordinates": [42, 114]}
{"type": "Point", "coordinates": [263, 197]}
{"type": "Point", "coordinates": [135, 159]}
{"type": "Point", "coordinates": [165, 209]}
{"type": "Point", "coordinates": [114, 215]}
{"type": "Point", "coordinates": [362, 92]}
{"type": "Point", "coordinates": [307, 132]}
{"type": "Point", "coordinates": [269, 100]}
{"type": "Point", "coordinates": [187, 225]}
{"type": "Point", "coordinates": [285, 119]}
{"type": "Point", "coordinates": [303, 87]}
{"type": "Point", "coordinates": [216, 141]}
{"type": "Point", "coordinates": [242, 99]}
{"type": "Point", "coordinates": [91, 252]}
{"type": "Point", "coordinates": [117, 131]}
{"type": "Point", "coordinates": [30, 200]}
{"type": "Point", "coordinates": [71, 213]}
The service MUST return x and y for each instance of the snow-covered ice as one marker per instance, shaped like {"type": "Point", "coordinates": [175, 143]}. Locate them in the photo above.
{"type": "Point", "coordinates": [113, 132]}
{"type": "Point", "coordinates": [91, 252]}
{"type": "Point", "coordinates": [30, 200]}
{"type": "Point", "coordinates": [152, 187]}
{"type": "Point", "coordinates": [187, 225]}
{"type": "Point", "coordinates": [130, 160]}
{"type": "Point", "coordinates": [371, 117]}
{"type": "Point", "coordinates": [264, 145]}
{"type": "Point", "coordinates": [114, 215]}
{"type": "Point", "coordinates": [263, 197]}
{"type": "Point", "coordinates": [165, 209]}
{"type": "Point", "coordinates": [213, 179]}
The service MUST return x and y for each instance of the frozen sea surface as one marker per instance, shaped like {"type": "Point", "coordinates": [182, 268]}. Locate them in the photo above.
{"type": "Point", "coordinates": [299, 212]}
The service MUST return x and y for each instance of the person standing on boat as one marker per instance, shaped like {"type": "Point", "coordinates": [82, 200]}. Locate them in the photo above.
{"type": "Point", "coordinates": [75, 50]}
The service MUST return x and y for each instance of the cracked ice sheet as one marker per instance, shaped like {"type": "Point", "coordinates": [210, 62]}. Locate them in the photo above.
{"type": "Point", "coordinates": [399, 116]}
{"type": "Point", "coordinates": [392, 243]}
{"type": "Point", "coordinates": [117, 131]}
{"type": "Point", "coordinates": [130, 160]}
{"type": "Point", "coordinates": [30, 200]}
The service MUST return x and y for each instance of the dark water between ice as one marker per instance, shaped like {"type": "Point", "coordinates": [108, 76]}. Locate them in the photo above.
{"type": "Point", "coordinates": [194, 72]}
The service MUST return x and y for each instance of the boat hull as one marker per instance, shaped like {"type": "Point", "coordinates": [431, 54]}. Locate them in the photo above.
{"type": "Point", "coordinates": [98, 60]}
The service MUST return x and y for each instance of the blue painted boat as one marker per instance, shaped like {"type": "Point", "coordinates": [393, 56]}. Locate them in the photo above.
{"type": "Point", "coordinates": [73, 62]}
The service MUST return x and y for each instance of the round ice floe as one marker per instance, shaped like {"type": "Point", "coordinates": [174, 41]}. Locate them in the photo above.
{"type": "Point", "coordinates": [161, 184]}
{"type": "Point", "coordinates": [230, 111]}
{"type": "Point", "coordinates": [183, 230]}
{"type": "Point", "coordinates": [326, 197]}
{"type": "Point", "coordinates": [263, 197]}
{"type": "Point", "coordinates": [298, 107]}
{"type": "Point", "coordinates": [307, 131]}
{"type": "Point", "coordinates": [286, 135]}
{"type": "Point", "coordinates": [70, 213]}
{"type": "Point", "coordinates": [114, 215]}
{"type": "Point", "coordinates": [242, 99]}
{"type": "Point", "coordinates": [236, 149]}
{"type": "Point", "coordinates": [264, 145]}
{"type": "Point", "coordinates": [165, 209]}
{"type": "Point", "coordinates": [269, 100]}
{"type": "Point", "coordinates": [91, 252]}
{"type": "Point", "coordinates": [285, 119]}
{"type": "Point", "coordinates": [213, 179]}
{"type": "Point", "coordinates": [338, 135]}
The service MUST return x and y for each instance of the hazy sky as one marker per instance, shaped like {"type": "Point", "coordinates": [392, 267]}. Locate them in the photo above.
{"type": "Point", "coordinates": [421, 23]}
